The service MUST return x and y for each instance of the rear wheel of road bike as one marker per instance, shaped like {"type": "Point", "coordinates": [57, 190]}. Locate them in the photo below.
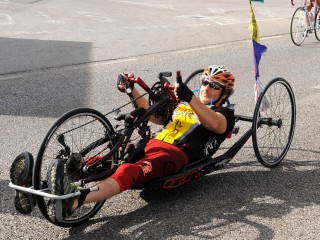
{"type": "Point", "coordinates": [299, 27]}
{"type": "Point", "coordinates": [68, 137]}
{"type": "Point", "coordinates": [274, 122]}
{"type": "Point", "coordinates": [317, 25]}
{"type": "Point", "coordinates": [194, 81]}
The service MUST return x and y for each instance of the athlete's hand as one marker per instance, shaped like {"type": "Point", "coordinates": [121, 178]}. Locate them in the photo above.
{"type": "Point", "coordinates": [122, 81]}
{"type": "Point", "coordinates": [182, 92]}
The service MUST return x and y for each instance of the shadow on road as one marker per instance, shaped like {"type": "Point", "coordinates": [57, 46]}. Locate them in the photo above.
{"type": "Point", "coordinates": [231, 199]}
{"type": "Point", "coordinates": [29, 82]}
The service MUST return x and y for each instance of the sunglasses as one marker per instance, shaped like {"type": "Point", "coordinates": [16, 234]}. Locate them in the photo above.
{"type": "Point", "coordinates": [212, 85]}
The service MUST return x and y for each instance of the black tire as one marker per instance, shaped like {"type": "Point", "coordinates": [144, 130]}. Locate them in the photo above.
{"type": "Point", "coordinates": [194, 82]}
{"type": "Point", "coordinates": [317, 25]}
{"type": "Point", "coordinates": [80, 127]}
{"type": "Point", "coordinates": [298, 27]}
{"type": "Point", "coordinates": [271, 142]}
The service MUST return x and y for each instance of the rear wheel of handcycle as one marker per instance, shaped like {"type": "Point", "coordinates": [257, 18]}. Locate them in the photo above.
{"type": "Point", "coordinates": [274, 122]}
{"type": "Point", "coordinates": [298, 27]}
{"type": "Point", "coordinates": [194, 81]}
{"type": "Point", "coordinates": [317, 25]}
{"type": "Point", "coordinates": [67, 138]}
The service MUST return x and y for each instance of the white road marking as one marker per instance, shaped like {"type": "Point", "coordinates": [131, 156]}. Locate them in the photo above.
{"type": "Point", "coordinates": [19, 33]}
{"type": "Point", "coordinates": [28, 33]}
{"type": "Point", "coordinates": [230, 22]}
{"type": "Point", "coordinates": [222, 10]}
{"type": "Point", "coordinates": [221, 18]}
{"type": "Point", "coordinates": [5, 19]}
{"type": "Point", "coordinates": [153, 5]}
{"type": "Point", "coordinates": [194, 16]}
{"type": "Point", "coordinates": [272, 37]}
{"type": "Point", "coordinates": [264, 38]}
{"type": "Point", "coordinates": [113, 61]}
{"type": "Point", "coordinates": [194, 49]}
{"type": "Point", "coordinates": [147, 27]}
{"type": "Point", "coordinates": [95, 16]}
{"type": "Point", "coordinates": [198, 24]}
{"type": "Point", "coordinates": [43, 32]}
{"type": "Point", "coordinates": [11, 76]}
{"type": "Point", "coordinates": [49, 19]}
{"type": "Point", "coordinates": [218, 11]}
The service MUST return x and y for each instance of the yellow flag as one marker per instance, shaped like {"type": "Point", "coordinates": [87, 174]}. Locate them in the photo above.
{"type": "Point", "coordinates": [253, 27]}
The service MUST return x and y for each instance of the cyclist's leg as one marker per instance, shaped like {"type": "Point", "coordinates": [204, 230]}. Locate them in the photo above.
{"type": "Point", "coordinates": [309, 15]}
{"type": "Point", "coordinates": [154, 164]}
{"type": "Point", "coordinates": [161, 159]}
{"type": "Point", "coordinates": [107, 189]}
{"type": "Point", "coordinates": [316, 8]}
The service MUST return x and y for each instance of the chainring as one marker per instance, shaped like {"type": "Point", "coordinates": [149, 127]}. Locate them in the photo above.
{"type": "Point", "coordinates": [166, 110]}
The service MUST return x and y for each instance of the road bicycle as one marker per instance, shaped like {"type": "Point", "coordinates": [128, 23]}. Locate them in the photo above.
{"type": "Point", "coordinates": [92, 148]}
{"type": "Point", "coordinates": [305, 22]}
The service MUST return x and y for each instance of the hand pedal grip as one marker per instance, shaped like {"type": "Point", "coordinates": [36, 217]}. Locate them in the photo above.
{"type": "Point", "coordinates": [178, 77]}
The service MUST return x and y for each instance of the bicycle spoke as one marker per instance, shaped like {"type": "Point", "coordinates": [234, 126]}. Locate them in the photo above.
{"type": "Point", "coordinates": [271, 141]}
{"type": "Point", "coordinates": [81, 131]}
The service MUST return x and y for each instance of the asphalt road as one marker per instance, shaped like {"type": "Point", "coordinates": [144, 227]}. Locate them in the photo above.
{"type": "Point", "coordinates": [56, 56]}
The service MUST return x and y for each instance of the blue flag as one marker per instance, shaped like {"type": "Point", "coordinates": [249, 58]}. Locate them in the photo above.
{"type": "Point", "coordinates": [258, 50]}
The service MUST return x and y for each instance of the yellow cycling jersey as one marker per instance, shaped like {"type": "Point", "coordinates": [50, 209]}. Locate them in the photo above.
{"type": "Point", "coordinates": [185, 130]}
{"type": "Point", "coordinates": [183, 118]}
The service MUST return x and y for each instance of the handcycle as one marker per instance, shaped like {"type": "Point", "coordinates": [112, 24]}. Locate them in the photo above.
{"type": "Point", "coordinates": [92, 149]}
{"type": "Point", "coordinates": [304, 22]}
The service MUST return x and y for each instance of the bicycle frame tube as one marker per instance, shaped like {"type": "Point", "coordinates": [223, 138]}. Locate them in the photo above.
{"type": "Point", "coordinates": [94, 145]}
{"type": "Point", "coordinates": [207, 164]}
{"type": "Point", "coordinates": [125, 138]}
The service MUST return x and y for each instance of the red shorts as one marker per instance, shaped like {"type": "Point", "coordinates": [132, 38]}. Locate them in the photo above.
{"type": "Point", "coordinates": [161, 159]}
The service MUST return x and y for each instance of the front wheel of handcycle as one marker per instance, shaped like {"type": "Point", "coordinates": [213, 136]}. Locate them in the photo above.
{"type": "Point", "coordinates": [78, 135]}
{"type": "Point", "coordinates": [274, 121]}
{"type": "Point", "coordinates": [317, 24]}
{"type": "Point", "coordinates": [299, 26]}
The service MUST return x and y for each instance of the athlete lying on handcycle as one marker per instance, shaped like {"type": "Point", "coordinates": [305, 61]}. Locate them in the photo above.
{"type": "Point", "coordinates": [197, 128]}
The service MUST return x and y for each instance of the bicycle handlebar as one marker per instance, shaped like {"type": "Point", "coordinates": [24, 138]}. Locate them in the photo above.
{"type": "Point", "coordinates": [145, 87]}
{"type": "Point", "coordinates": [167, 87]}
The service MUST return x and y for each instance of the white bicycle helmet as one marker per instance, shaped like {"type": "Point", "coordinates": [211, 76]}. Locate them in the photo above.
{"type": "Point", "coordinates": [220, 74]}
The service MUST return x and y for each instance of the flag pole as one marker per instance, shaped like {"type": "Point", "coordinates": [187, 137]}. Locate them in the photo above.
{"type": "Point", "coordinates": [258, 51]}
